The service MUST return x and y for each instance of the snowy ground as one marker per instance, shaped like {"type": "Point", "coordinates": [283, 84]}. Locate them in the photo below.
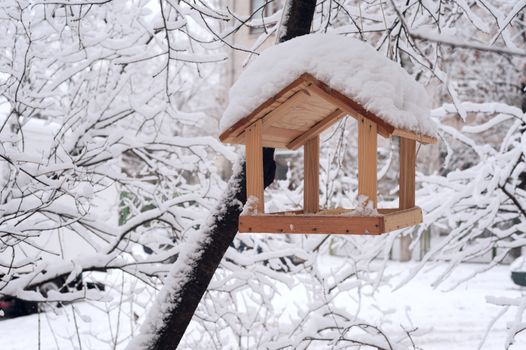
{"type": "Point", "coordinates": [455, 320]}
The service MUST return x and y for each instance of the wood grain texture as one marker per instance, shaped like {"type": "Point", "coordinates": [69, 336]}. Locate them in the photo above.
{"type": "Point", "coordinates": [233, 133]}
{"type": "Point", "coordinates": [406, 194]}
{"type": "Point", "coordinates": [275, 144]}
{"type": "Point", "coordinates": [311, 190]}
{"type": "Point", "coordinates": [424, 139]}
{"type": "Point", "coordinates": [317, 129]}
{"type": "Point", "coordinates": [367, 159]}
{"type": "Point", "coordinates": [304, 114]}
{"type": "Point", "coordinates": [311, 224]}
{"type": "Point", "coordinates": [279, 136]}
{"type": "Point", "coordinates": [299, 222]}
{"type": "Point", "coordinates": [402, 218]}
{"type": "Point", "coordinates": [323, 99]}
{"type": "Point", "coordinates": [407, 173]}
{"type": "Point", "coordinates": [254, 164]}
{"type": "Point", "coordinates": [346, 104]}
{"type": "Point", "coordinates": [284, 109]}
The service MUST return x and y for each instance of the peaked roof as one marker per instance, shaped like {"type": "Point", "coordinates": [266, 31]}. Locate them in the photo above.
{"type": "Point", "coordinates": [351, 67]}
{"type": "Point", "coordinates": [305, 108]}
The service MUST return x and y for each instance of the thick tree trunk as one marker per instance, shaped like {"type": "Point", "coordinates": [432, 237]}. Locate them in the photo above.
{"type": "Point", "coordinates": [298, 20]}
{"type": "Point", "coordinates": [190, 276]}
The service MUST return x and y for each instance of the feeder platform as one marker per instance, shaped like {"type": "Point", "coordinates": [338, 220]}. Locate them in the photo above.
{"type": "Point", "coordinates": [335, 221]}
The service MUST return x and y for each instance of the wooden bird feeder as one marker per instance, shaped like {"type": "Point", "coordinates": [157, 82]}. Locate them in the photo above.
{"type": "Point", "coordinates": [295, 117]}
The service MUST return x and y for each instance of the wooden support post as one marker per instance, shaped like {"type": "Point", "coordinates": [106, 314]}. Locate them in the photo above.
{"type": "Point", "coordinates": [367, 159]}
{"type": "Point", "coordinates": [406, 196]}
{"type": "Point", "coordinates": [407, 173]}
{"type": "Point", "coordinates": [311, 182]}
{"type": "Point", "coordinates": [254, 164]}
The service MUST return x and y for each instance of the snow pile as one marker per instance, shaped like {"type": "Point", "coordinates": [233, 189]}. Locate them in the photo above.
{"type": "Point", "coordinates": [519, 265]}
{"type": "Point", "coordinates": [352, 67]}
{"type": "Point", "coordinates": [251, 206]}
{"type": "Point", "coordinates": [364, 207]}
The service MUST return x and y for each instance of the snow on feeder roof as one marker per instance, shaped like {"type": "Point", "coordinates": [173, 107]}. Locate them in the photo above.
{"type": "Point", "coordinates": [296, 90]}
{"type": "Point", "coordinates": [348, 68]}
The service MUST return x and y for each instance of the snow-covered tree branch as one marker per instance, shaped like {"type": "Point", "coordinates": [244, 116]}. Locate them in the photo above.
{"type": "Point", "coordinates": [110, 164]}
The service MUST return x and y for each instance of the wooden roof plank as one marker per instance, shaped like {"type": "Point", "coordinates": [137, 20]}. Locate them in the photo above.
{"type": "Point", "coordinates": [275, 144]}
{"type": "Point", "coordinates": [317, 129]}
{"type": "Point", "coordinates": [232, 133]}
{"type": "Point", "coordinates": [275, 133]}
{"type": "Point", "coordinates": [299, 89]}
{"type": "Point", "coordinates": [424, 139]}
{"type": "Point", "coordinates": [285, 107]}
{"type": "Point", "coordinates": [346, 104]}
